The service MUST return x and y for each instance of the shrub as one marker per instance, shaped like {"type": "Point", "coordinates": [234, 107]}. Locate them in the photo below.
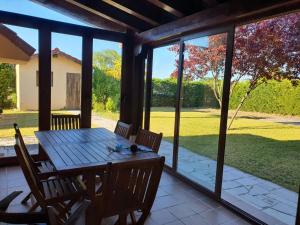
{"type": "Point", "coordinates": [112, 104]}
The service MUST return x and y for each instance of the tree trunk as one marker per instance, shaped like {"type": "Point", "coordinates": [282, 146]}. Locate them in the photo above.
{"type": "Point", "coordinates": [239, 107]}
{"type": "Point", "coordinates": [216, 92]}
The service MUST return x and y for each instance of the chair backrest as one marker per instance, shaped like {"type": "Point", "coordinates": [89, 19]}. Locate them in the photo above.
{"type": "Point", "coordinates": [131, 186]}
{"type": "Point", "coordinates": [123, 129]}
{"type": "Point", "coordinates": [65, 122]}
{"type": "Point", "coordinates": [29, 157]}
{"type": "Point", "coordinates": [149, 139]}
{"type": "Point", "coordinates": [29, 172]}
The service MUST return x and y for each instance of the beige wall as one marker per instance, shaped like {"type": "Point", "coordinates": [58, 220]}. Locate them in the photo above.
{"type": "Point", "coordinates": [27, 91]}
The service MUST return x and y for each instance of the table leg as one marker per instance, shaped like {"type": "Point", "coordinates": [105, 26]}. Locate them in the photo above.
{"type": "Point", "coordinates": [91, 215]}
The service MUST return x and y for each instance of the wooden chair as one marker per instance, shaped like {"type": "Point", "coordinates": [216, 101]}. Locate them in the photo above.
{"type": "Point", "coordinates": [17, 217]}
{"type": "Point", "coordinates": [148, 139]}
{"type": "Point", "coordinates": [130, 187]}
{"type": "Point", "coordinates": [123, 129]}
{"type": "Point", "coordinates": [42, 168]}
{"type": "Point", "coordinates": [52, 191]}
{"type": "Point", "coordinates": [79, 213]}
{"type": "Point", "coordinates": [65, 122]}
{"type": "Point", "coordinates": [52, 216]}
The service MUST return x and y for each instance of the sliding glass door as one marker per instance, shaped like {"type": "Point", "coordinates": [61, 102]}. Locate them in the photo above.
{"type": "Point", "coordinates": [200, 111]}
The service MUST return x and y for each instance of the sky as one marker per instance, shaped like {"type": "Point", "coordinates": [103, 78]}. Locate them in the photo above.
{"type": "Point", "coordinates": [163, 59]}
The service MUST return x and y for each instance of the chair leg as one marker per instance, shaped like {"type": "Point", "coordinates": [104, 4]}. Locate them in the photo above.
{"type": "Point", "coordinates": [133, 219]}
{"type": "Point", "coordinates": [25, 200]}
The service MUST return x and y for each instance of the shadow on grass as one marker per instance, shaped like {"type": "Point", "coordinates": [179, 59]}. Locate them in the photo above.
{"type": "Point", "coordinates": [270, 159]}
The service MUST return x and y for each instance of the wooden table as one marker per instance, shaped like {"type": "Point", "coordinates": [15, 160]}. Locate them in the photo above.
{"type": "Point", "coordinates": [83, 149]}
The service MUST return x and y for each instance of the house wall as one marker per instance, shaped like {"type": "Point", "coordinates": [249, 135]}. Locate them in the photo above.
{"type": "Point", "coordinates": [27, 90]}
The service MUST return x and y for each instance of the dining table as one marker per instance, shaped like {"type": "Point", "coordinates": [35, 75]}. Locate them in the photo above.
{"type": "Point", "coordinates": [88, 150]}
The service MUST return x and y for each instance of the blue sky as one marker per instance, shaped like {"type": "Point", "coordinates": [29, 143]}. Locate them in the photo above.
{"type": "Point", "coordinates": [163, 59]}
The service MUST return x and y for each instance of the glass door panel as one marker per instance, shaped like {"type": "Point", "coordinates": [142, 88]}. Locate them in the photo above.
{"type": "Point", "coordinates": [201, 96]}
{"type": "Point", "coordinates": [164, 86]}
{"type": "Point", "coordinates": [262, 155]}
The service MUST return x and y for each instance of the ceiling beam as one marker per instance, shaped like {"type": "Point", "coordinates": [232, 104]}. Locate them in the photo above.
{"type": "Point", "coordinates": [59, 27]}
{"type": "Point", "coordinates": [167, 8]}
{"type": "Point", "coordinates": [115, 13]}
{"type": "Point", "coordinates": [82, 14]}
{"type": "Point", "coordinates": [185, 7]}
{"type": "Point", "coordinates": [146, 9]}
{"type": "Point", "coordinates": [116, 4]}
{"type": "Point", "coordinates": [221, 15]}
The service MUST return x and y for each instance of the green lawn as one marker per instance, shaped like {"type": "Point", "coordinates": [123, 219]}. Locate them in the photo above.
{"type": "Point", "coordinates": [265, 149]}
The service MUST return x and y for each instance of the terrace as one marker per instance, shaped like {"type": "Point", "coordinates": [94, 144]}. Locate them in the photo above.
{"type": "Point", "coordinates": [215, 172]}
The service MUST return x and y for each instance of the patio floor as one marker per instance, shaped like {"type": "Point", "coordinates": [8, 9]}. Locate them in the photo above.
{"type": "Point", "coordinates": [270, 202]}
{"type": "Point", "coordinates": [176, 203]}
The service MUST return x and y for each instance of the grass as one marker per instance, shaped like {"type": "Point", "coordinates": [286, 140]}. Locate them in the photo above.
{"type": "Point", "coordinates": [263, 148]}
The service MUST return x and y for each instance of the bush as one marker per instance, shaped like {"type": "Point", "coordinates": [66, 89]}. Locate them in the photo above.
{"type": "Point", "coordinates": [7, 85]}
{"type": "Point", "coordinates": [112, 104]}
{"type": "Point", "coordinates": [272, 97]}
{"type": "Point", "coordinates": [195, 93]}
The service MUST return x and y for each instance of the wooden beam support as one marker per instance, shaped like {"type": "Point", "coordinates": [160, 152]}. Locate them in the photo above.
{"type": "Point", "coordinates": [166, 7]}
{"type": "Point", "coordinates": [146, 9]}
{"type": "Point", "coordinates": [59, 27]}
{"type": "Point", "coordinates": [221, 15]}
{"type": "Point", "coordinates": [148, 89]}
{"type": "Point", "coordinates": [77, 12]}
{"type": "Point", "coordinates": [126, 78]}
{"type": "Point", "coordinates": [138, 83]}
{"type": "Point", "coordinates": [86, 81]}
{"type": "Point", "coordinates": [44, 79]}
{"type": "Point", "coordinates": [115, 14]}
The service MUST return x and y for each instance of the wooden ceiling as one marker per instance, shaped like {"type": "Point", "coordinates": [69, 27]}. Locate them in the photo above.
{"type": "Point", "coordinates": [136, 15]}
{"type": "Point", "coordinates": [155, 20]}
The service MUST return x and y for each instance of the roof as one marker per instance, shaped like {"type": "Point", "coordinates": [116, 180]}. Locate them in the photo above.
{"type": "Point", "coordinates": [140, 16]}
{"type": "Point", "coordinates": [57, 52]}
{"type": "Point", "coordinates": [16, 40]}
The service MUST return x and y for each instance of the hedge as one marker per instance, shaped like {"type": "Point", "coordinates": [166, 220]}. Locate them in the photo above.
{"type": "Point", "coordinates": [195, 94]}
{"type": "Point", "coordinates": [273, 97]}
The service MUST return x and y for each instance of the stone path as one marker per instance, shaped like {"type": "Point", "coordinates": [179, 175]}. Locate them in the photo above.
{"type": "Point", "coordinates": [262, 198]}
{"type": "Point", "coordinates": [240, 187]}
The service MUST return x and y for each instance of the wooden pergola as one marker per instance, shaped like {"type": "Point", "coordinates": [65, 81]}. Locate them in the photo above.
{"type": "Point", "coordinates": [141, 26]}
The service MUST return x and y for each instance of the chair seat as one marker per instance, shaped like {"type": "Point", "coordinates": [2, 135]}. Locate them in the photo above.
{"type": "Point", "coordinates": [45, 166]}
{"type": "Point", "coordinates": [62, 188]}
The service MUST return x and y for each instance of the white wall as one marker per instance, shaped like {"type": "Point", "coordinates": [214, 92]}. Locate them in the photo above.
{"type": "Point", "coordinates": [27, 91]}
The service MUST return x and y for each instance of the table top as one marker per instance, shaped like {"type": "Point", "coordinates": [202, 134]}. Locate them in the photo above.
{"type": "Point", "coordinates": [83, 148]}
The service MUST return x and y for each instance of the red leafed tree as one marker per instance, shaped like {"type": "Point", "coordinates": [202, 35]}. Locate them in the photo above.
{"type": "Point", "coordinates": [265, 50]}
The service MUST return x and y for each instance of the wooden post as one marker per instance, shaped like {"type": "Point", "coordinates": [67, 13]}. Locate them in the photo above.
{"type": "Point", "coordinates": [126, 78]}
{"type": "Point", "coordinates": [138, 83]}
{"type": "Point", "coordinates": [86, 81]}
{"type": "Point", "coordinates": [148, 89]}
{"type": "Point", "coordinates": [44, 79]}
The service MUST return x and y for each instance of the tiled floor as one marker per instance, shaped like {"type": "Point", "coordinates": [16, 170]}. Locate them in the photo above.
{"type": "Point", "coordinates": [264, 197]}
{"type": "Point", "coordinates": [176, 203]}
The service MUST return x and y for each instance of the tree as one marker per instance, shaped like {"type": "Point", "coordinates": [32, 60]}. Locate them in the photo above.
{"type": "Point", "coordinates": [266, 50]}
{"type": "Point", "coordinates": [108, 61]}
{"type": "Point", "coordinates": [106, 79]}
{"type": "Point", "coordinates": [7, 84]}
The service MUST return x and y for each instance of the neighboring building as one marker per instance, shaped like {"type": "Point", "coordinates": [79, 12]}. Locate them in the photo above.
{"type": "Point", "coordinates": [65, 82]}
{"type": "Point", "coordinates": [66, 73]}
